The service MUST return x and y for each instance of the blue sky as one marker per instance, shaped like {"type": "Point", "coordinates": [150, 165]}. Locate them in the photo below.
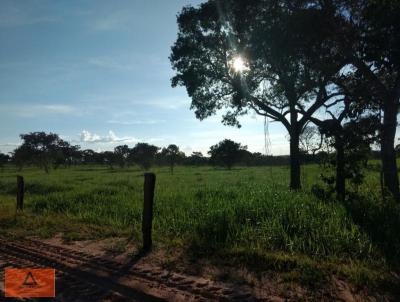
{"type": "Point", "coordinates": [97, 73]}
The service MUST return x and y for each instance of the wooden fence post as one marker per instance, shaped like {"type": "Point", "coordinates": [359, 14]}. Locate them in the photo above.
{"type": "Point", "coordinates": [20, 192]}
{"type": "Point", "coordinates": [147, 222]}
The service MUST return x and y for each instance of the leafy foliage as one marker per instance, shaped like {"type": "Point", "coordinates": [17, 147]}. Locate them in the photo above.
{"type": "Point", "coordinates": [4, 158]}
{"type": "Point", "coordinates": [144, 155]}
{"type": "Point", "coordinates": [226, 153]}
{"type": "Point", "coordinates": [282, 54]}
{"type": "Point", "coordinates": [43, 149]}
{"type": "Point", "coordinates": [172, 155]}
{"type": "Point", "coordinates": [121, 155]}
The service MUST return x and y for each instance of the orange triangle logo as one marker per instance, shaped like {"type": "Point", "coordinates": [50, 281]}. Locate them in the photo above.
{"type": "Point", "coordinates": [30, 280]}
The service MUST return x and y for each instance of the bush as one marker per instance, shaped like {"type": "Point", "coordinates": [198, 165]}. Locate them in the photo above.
{"type": "Point", "coordinates": [380, 220]}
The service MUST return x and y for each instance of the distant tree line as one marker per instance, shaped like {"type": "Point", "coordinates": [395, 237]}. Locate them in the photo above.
{"type": "Point", "coordinates": [48, 151]}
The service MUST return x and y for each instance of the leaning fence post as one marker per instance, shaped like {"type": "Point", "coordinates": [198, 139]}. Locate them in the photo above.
{"type": "Point", "coordinates": [20, 192]}
{"type": "Point", "coordinates": [149, 184]}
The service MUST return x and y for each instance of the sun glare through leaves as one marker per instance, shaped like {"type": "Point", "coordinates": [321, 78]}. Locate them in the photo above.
{"type": "Point", "coordinates": [239, 64]}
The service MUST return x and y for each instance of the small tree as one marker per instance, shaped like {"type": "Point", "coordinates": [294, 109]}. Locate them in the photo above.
{"type": "Point", "coordinates": [121, 155]}
{"type": "Point", "coordinates": [172, 155]}
{"type": "Point", "coordinates": [144, 154]}
{"type": "Point", "coordinates": [88, 156]}
{"type": "Point", "coordinates": [226, 153]}
{"type": "Point", "coordinates": [311, 140]}
{"type": "Point", "coordinates": [65, 154]}
{"type": "Point", "coordinates": [21, 157]}
{"type": "Point", "coordinates": [4, 159]}
{"type": "Point", "coordinates": [351, 142]}
{"type": "Point", "coordinates": [109, 158]}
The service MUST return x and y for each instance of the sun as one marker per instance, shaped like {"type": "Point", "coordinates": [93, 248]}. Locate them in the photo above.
{"type": "Point", "coordinates": [238, 64]}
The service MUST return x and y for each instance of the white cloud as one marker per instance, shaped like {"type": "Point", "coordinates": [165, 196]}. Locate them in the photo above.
{"type": "Point", "coordinates": [8, 147]}
{"type": "Point", "coordinates": [111, 137]}
{"type": "Point", "coordinates": [187, 150]}
{"type": "Point", "coordinates": [86, 136]}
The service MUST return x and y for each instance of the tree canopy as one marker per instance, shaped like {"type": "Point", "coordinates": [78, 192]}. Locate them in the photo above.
{"type": "Point", "coordinates": [43, 149]}
{"type": "Point", "coordinates": [254, 55]}
{"type": "Point", "coordinates": [226, 153]}
{"type": "Point", "coordinates": [288, 60]}
{"type": "Point", "coordinates": [144, 154]}
{"type": "Point", "coordinates": [172, 155]}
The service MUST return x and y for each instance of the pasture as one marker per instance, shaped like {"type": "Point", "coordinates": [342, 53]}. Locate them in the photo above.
{"type": "Point", "coordinates": [247, 215]}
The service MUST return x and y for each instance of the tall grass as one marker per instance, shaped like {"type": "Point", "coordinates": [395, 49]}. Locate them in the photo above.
{"type": "Point", "coordinates": [205, 208]}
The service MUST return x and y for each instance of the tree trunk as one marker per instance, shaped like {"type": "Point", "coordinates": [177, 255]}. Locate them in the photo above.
{"type": "Point", "coordinates": [340, 162]}
{"type": "Point", "coordinates": [294, 160]}
{"type": "Point", "coordinates": [388, 153]}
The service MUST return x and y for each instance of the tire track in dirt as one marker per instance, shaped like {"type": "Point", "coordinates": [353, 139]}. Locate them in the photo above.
{"type": "Point", "coordinates": [69, 288]}
{"type": "Point", "coordinates": [97, 279]}
{"type": "Point", "coordinates": [71, 285]}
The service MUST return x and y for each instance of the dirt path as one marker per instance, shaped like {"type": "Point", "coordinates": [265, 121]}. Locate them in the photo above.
{"type": "Point", "coordinates": [85, 277]}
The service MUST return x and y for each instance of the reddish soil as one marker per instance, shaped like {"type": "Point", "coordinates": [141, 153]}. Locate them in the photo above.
{"type": "Point", "coordinates": [84, 276]}
{"type": "Point", "coordinates": [91, 271]}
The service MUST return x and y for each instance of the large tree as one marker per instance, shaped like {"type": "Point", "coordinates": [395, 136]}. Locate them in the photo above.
{"type": "Point", "coordinates": [41, 149]}
{"type": "Point", "coordinates": [121, 154]}
{"type": "Point", "coordinates": [109, 158]}
{"type": "Point", "coordinates": [226, 153]}
{"type": "Point", "coordinates": [254, 55]}
{"type": "Point", "coordinates": [363, 38]}
{"type": "Point", "coordinates": [144, 155]}
{"type": "Point", "coordinates": [66, 154]}
{"type": "Point", "coordinates": [367, 36]}
{"type": "Point", "coordinates": [172, 155]}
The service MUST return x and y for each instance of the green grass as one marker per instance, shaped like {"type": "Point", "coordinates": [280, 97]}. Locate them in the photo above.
{"type": "Point", "coordinates": [246, 214]}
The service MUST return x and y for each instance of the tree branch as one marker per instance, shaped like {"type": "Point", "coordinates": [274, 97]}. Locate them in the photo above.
{"type": "Point", "coordinates": [314, 107]}
{"type": "Point", "coordinates": [366, 71]}
{"type": "Point", "coordinates": [337, 101]}
{"type": "Point", "coordinates": [272, 113]}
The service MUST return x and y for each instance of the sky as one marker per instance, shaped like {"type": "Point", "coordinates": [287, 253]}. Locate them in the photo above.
{"type": "Point", "coordinates": [97, 73]}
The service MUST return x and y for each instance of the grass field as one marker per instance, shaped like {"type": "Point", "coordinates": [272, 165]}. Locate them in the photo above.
{"type": "Point", "coordinates": [246, 215]}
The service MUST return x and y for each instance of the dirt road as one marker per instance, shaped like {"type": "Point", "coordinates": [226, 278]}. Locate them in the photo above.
{"type": "Point", "coordinates": [84, 277]}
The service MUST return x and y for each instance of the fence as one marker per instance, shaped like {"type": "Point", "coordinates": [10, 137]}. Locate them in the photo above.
{"type": "Point", "coordinates": [148, 201]}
